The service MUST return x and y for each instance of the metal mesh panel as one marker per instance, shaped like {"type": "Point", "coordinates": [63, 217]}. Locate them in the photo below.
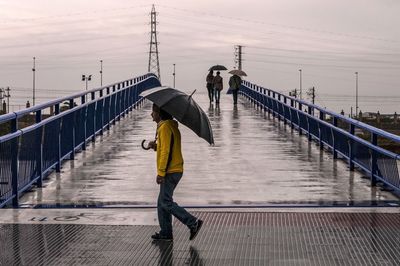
{"type": "Point", "coordinates": [388, 169]}
{"type": "Point", "coordinates": [5, 170]}
{"type": "Point", "coordinates": [67, 134]}
{"type": "Point", "coordinates": [27, 157]}
{"type": "Point", "coordinates": [293, 114]}
{"type": "Point", "coordinates": [90, 120]}
{"type": "Point", "coordinates": [342, 142]}
{"type": "Point", "coordinates": [50, 144]}
{"type": "Point", "coordinates": [107, 110]}
{"type": "Point", "coordinates": [79, 126]}
{"type": "Point", "coordinates": [326, 134]}
{"type": "Point", "coordinates": [118, 103]}
{"type": "Point", "coordinates": [99, 114]}
{"type": "Point", "coordinates": [112, 109]}
{"type": "Point", "coordinates": [362, 155]}
{"type": "Point", "coordinates": [286, 112]}
{"type": "Point", "coordinates": [313, 125]}
{"type": "Point", "coordinates": [303, 120]}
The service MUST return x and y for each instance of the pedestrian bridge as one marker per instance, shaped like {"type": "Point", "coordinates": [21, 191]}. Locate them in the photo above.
{"type": "Point", "coordinates": [285, 183]}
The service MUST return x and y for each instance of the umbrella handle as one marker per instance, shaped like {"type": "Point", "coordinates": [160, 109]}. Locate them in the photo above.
{"type": "Point", "coordinates": [143, 147]}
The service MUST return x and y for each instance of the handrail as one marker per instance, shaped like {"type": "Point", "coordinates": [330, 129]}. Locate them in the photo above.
{"type": "Point", "coordinates": [378, 162]}
{"type": "Point", "coordinates": [349, 120]}
{"type": "Point", "coordinates": [7, 117]}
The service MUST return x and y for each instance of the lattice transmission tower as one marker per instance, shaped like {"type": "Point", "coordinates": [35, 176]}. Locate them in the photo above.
{"type": "Point", "coordinates": [154, 63]}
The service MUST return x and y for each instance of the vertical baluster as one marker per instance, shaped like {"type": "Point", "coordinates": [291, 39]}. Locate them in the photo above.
{"type": "Point", "coordinates": [84, 122]}
{"type": "Point", "coordinates": [308, 122]}
{"type": "Point", "coordinates": [14, 163]}
{"type": "Point", "coordinates": [374, 159]}
{"type": "Point", "coordinates": [322, 118]}
{"type": "Point", "coordinates": [335, 124]}
{"type": "Point", "coordinates": [39, 149]}
{"type": "Point", "coordinates": [351, 148]}
{"type": "Point", "coordinates": [58, 145]}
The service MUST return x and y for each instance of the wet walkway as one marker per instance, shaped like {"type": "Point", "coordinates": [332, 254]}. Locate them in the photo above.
{"type": "Point", "coordinates": [256, 161]}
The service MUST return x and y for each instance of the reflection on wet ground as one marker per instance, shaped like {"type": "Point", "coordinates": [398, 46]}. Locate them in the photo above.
{"type": "Point", "coordinates": [255, 160]}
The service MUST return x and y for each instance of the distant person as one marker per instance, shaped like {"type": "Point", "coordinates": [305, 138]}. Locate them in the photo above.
{"type": "Point", "coordinates": [210, 85]}
{"type": "Point", "coordinates": [169, 173]}
{"type": "Point", "coordinates": [28, 104]}
{"type": "Point", "coordinates": [234, 83]}
{"type": "Point", "coordinates": [218, 86]}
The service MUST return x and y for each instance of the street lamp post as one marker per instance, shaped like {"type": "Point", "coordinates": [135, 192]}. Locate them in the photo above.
{"type": "Point", "coordinates": [301, 85]}
{"type": "Point", "coordinates": [356, 94]}
{"type": "Point", "coordinates": [86, 78]}
{"type": "Point", "coordinates": [101, 73]}
{"type": "Point", "coordinates": [173, 74]}
{"type": "Point", "coordinates": [33, 85]}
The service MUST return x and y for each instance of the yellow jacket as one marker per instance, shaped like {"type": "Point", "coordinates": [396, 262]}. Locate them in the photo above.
{"type": "Point", "coordinates": [165, 130]}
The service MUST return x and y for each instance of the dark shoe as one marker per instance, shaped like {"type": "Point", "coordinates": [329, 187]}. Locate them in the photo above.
{"type": "Point", "coordinates": [195, 230]}
{"type": "Point", "coordinates": [158, 237]}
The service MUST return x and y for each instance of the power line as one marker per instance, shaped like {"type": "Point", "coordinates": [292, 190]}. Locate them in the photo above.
{"type": "Point", "coordinates": [217, 16]}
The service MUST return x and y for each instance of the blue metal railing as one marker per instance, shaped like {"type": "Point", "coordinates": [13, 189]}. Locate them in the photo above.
{"type": "Point", "coordinates": [322, 126]}
{"type": "Point", "coordinates": [29, 154]}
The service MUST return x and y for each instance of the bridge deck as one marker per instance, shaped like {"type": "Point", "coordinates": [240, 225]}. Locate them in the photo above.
{"type": "Point", "coordinates": [256, 162]}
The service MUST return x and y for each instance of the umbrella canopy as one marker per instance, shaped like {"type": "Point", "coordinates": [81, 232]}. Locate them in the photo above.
{"type": "Point", "coordinates": [237, 72]}
{"type": "Point", "coordinates": [183, 108]}
{"type": "Point", "coordinates": [217, 67]}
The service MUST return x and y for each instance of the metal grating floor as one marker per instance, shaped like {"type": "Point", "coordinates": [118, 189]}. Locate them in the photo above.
{"type": "Point", "coordinates": [227, 238]}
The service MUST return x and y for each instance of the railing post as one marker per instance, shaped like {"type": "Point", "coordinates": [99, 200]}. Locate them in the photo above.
{"type": "Point", "coordinates": [300, 110]}
{"type": "Point", "coordinates": [374, 159]}
{"type": "Point", "coordinates": [109, 108]}
{"type": "Point", "coordinates": [72, 156]}
{"type": "Point", "coordinates": [83, 100]}
{"type": "Point", "coordinates": [273, 105]}
{"type": "Point", "coordinates": [308, 123]}
{"type": "Point", "coordinates": [102, 112]}
{"type": "Point", "coordinates": [39, 150]}
{"type": "Point", "coordinates": [14, 164]}
{"type": "Point", "coordinates": [58, 165]}
{"type": "Point", "coordinates": [351, 149]}
{"type": "Point", "coordinates": [277, 107]}
{"type": "Point", "coordinates": [93, 96]}
{"type": "Point", "coordinates": [115, 105]}
{"type": "Point", "coordinates": [335, 124]}
{"type": "Point", "coordinates": [284, 112]}
{"type": "Point", "coordinates": [321, 117]}
{"type": "Point", "coordinates": [291, 111]}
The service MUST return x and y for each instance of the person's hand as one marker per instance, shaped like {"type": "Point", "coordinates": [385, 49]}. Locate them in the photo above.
{"type": "Point", "coordinates": [160, 179]}
{"type": "Point", "coordinates": [152, 145]}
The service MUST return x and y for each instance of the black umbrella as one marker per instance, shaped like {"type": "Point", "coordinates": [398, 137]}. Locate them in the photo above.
{"type": "Point", "coordinates": [217, 67]}
{"type": "Point", "coordinates": [183, 108]}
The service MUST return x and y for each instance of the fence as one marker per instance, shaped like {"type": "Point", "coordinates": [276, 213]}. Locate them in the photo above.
{"type": "Point", "coordinates": [28, 155]}
{"type": "Point", "coordinates": [321, 125]}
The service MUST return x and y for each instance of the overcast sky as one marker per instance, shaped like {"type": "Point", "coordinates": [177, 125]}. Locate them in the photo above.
{"type": "Point", "coordinates": [328, 40]}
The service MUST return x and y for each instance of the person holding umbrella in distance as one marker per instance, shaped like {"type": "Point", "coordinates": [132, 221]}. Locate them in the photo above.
{"type": "Point", "coordinates": [234, 83]}
{"type": "Point", "coordinates": [169, 103]}
{"type": "Point", "coordinates": [217, 81]}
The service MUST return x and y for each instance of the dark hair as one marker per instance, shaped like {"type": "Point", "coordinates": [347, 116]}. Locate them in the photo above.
{"type": "Point", "coordinates": [218, 72]}
{"type": "Point", "coordinates": [164, 115]}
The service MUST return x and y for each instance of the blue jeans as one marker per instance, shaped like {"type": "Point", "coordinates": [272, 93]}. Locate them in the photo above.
{"type": "Point", "coordinates": [166, 207]}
